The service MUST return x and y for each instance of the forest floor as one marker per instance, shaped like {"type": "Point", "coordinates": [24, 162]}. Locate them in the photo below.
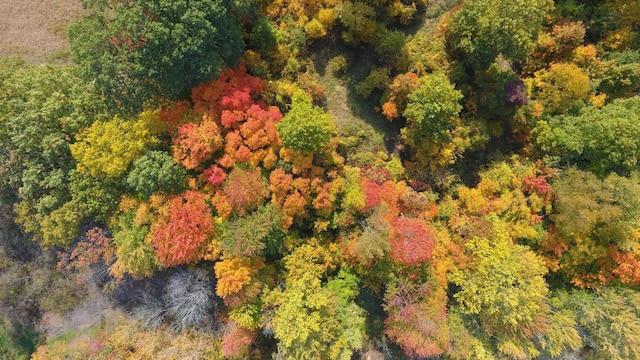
{"type": "Point", "coordinates": [36, 30]}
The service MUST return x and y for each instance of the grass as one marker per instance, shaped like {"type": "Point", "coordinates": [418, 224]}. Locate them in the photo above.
{"type": "Point", "coordinates": [357, 123]}
{"type": "Point", "coordinates": [36, 29]}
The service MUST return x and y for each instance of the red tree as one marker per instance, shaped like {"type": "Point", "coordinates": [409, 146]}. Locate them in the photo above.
{"type": "Point", "coordinates": [417, 317]}
{"type": "Point", "coordinates": [245, 189]}
{"type": "Point", "coordinates": [236, 340]}
{"type": "Point", "coordinates": [222, 94]}
{"type": "Point", "coordinates": [412, 241]}
{"type": "Point", "coordinates": [215, 175]}
{"type": "Point", "coordinates": [184, 226]}
{"type": "Point", "coordinates": [247, 123]}
{"type": "Point", "coordinates": [196, 143]}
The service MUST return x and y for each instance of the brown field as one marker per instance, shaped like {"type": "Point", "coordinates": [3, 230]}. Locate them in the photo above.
{"type": "Point", "coordinates": [36, 30]}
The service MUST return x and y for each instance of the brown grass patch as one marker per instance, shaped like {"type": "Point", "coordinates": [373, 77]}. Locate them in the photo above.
{"type": "Point", "coordinates": [36, 30]}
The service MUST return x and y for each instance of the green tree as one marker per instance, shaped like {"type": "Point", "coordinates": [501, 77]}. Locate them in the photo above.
{"type": "Point", "coordinates": [431, 110]}
{"type": "Point", "coordinates": [41, 109]}
{"type": "Point", "coordinates": [621, 74]}
{"type": "Point", "coordinates": [600, 140]}
{"type": "Point", "coordinates": [359, 21]}
{"type": "Point", "coordinates": [89, 198]}
{"type": "Point", "coordinates": [563, 336]}
{"type": "Point", "coordinates": [135, 255]}
{"type": "Point", "coordinates": [253, 234]}
{"type": "Point", "coordinates": [154, 172]}
{"type": "Point", "coordinates": [482, 29]}
{"type": "Point", "coordinates": [306, 127]}
{"type": "Point", "coordinates": [137, 49]}
{"type": "Point", "coordinates": [93, 197]}
{"type": "Point", "coordinates": [609, 321]}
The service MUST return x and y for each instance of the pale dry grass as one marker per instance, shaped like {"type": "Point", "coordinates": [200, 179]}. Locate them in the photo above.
{"type": "Point", "coordinates": [36, 29]}
{"type": "Point", "coordinates": [94, 309]}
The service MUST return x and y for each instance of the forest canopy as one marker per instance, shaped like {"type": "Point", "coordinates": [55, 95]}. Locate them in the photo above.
{"type": "Point", "coordinates": [325, 180]}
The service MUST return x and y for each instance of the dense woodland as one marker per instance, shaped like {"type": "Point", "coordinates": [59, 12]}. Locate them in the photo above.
{"type": "Point", "coordinates": [326, 179]}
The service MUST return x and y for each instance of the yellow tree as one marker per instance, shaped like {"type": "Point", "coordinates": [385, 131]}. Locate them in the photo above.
{"type": "Point", "coordinates": [503, 285]}
{"type": "Point", "coordinates": [312, 320]}
{"type": "Point", "coordinates": [106, 149]}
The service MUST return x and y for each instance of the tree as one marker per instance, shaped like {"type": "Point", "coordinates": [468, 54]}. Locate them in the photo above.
{"type": "Point", "coordinates": [184, 226]}
{"type": "Point", "coordinates": [560, 88]}
{"type": "Point", "coordinates": [483, 30]}
{"type": "Point", "coordinates": [135, 254]}
{"type": "Point", "coordinates": [372, 243]}
{"type": "Point", "coordinates": [254, 234]}
{"type": "Point", "coordinates": [417, 317]}
{"type": "Point", "coordinates": [518, 192]}
{"type": "Point", "coordinates": [245, 189]}
{"type": "Point", "coordinates": [503, 284]}
{"type": "Point", "coordinates": [93, 253]}
{"type": "Point", "coordinates": [600, 140]}
{"type": "Point", "coordinates": [57, 228]}
{"type": "Point", "coordinates": [156, 171]}
{"type": "Point", "coordinates": [41, 109]}
{"type": "Point", "coordinates": [596, 237]}
{"type": "Point", "coordinates": [564, 335]}
{"type": "Point", "coordinates": [196, 143]}
{"type": "Point", "coordinates": [89, 198]}
{"type": "Point", "coordinates": [236, 340]}
{"type": "Point", "coordinates": [431, 110]}
{"type": "Point", "coordinates": [609, 321]}
{"type": "Point", "coordinates": [92, 197]}
{"type": "Point", "coordinates": [306, 127]}
{"type": "Point", "coordinates": [556, 46]}
{"type": "Point", "coordinates": [235, 275]}
{"type": "Point", "coordinates": [313, 321]}
{"type": "Point", "coordinates": [138, 49]}
{"type": "Point", "coordinates": [228, 114]}
{"type": "Point", "coordinates": [106, 149]}
{"type": "Point", "coordinates": [188, 297]}
{"type": "Point", "coordinates": [398, 93]}
{"type": "Point", "coordinates": [621, 74]}
{"type": "Point", "coordinates": [359, 21]}
{"type": "Point", "coordinates": [412, 241]}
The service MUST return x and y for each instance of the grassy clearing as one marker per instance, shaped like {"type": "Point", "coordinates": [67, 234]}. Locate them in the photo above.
{"type": "Point", "coordinates": [357, 123]}
{"type": "Point", "coordinates": [36, 30]}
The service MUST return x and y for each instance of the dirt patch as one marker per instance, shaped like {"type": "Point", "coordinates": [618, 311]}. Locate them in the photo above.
{"type": "Point", "coordinates": [36, 30]}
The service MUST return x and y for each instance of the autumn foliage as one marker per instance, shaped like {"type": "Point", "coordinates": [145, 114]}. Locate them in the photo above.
{"type": "Point", "coordinates": [196, 143]}
{"type": "Point", "coordinates": [495, 215]}
{"type": "Point", "coordinates": [236, 340]}
{"type": "Point", "coordinates": [184, 227]}
{"type": "Point", "coordinates": [416, 317]}
{"type": "Point", "coordinates": [412, 241]}
{"type": "Point", "coordinates": [245, 189]}
{"type": "Point", "coordinates": [232, 274]}
{"type": "Point", "coordinates": [227, 115]}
